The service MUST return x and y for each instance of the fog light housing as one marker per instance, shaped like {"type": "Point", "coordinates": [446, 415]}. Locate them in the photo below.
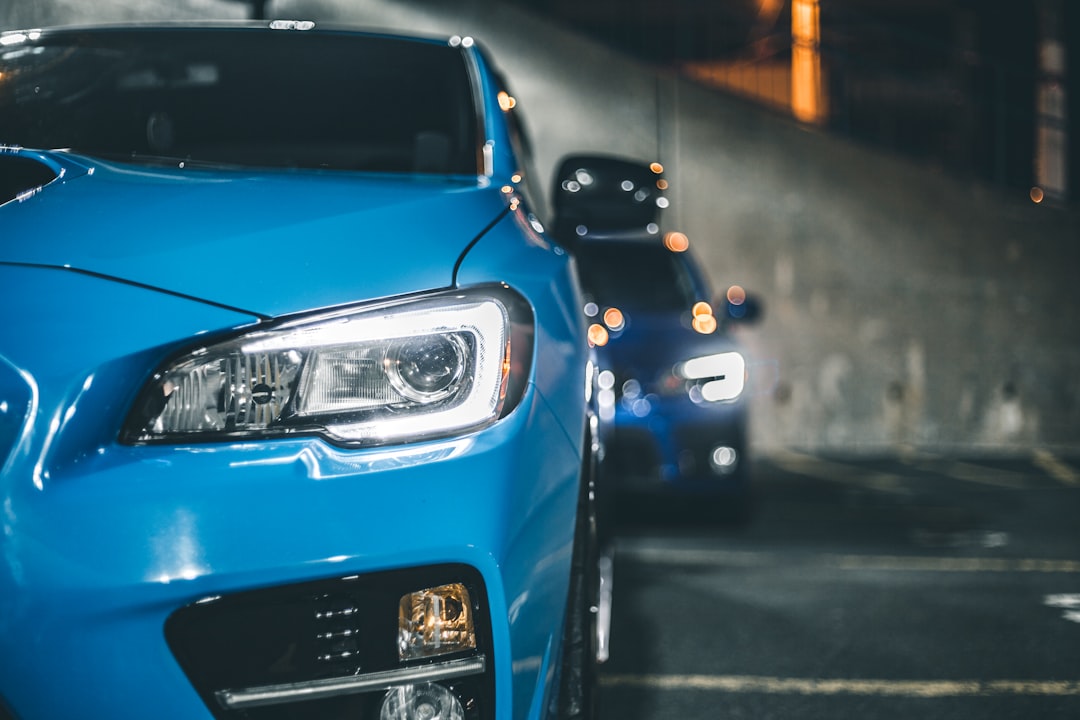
{"type": "Point", "coordinates": [429, 701]}
{"type": "Point", "coordinates": [435, 621]}
{"type": "Point", "coordinates": [723, 460]}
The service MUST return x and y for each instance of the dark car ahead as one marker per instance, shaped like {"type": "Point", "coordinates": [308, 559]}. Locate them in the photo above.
{"type": "Point", "coordinates": [672, 398]}
{"type": "Point", "coordinates": [293, 420]}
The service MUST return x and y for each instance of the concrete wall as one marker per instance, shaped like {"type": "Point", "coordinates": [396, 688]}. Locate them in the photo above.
{"type": "Point", "coordinates": [903, 308]}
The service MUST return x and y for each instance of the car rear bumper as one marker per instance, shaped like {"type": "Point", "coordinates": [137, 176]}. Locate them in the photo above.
{"type": "Point", "coordinates": [678, 448]}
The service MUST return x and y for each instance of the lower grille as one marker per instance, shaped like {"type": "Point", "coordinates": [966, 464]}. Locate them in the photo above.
{"type": "Point", "coordinates": [291, 643]}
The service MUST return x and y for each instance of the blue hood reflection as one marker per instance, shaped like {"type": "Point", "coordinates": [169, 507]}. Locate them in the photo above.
{"type": "Point", "coordinates": [270, 242]}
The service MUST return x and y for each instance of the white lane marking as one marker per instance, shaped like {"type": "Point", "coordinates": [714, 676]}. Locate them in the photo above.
{"type": "Point", "coordinates": [1055, 467]}
{"type": "Point", "coordinates": [977, 538]}
{"type": "Point", "coordinates": [645, 553]}
{"type": "Point", "coordinates": [957, 564]}
{"type": "Point", "coordinates": [823, 686]}
{"type": "Point", "coordinates": [837, 472]}
{"type": "Point", "coordinates": [1063, 600]}
{"type": "Point", "coordinates": [695, 556]}
{"type": "Point", "coordinates": [1069, 602]}
{"type": "Point", "coordinates": [994, 477]}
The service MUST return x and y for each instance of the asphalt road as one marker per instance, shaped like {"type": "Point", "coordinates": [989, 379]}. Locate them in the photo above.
{"type": "Point", "coordinates": [919, 588]}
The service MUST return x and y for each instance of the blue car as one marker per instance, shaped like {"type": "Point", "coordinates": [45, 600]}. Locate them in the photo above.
{"type": "Point", "coordinates": [294, 419]}
{"type": "Point", "coordinates": [672, 379]}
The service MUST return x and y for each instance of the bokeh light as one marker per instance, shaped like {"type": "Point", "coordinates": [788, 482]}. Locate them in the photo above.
{"type": "Point", "coordinates": [704, 324]}
{"type": "Point", "coordinates": [506, 101]}
{"type": "Point", "coordinates": [614, 319]}
{"type": "Point", "coordinates": [676, 241]}
{"type": "Point", "coordinates": [598, 335]}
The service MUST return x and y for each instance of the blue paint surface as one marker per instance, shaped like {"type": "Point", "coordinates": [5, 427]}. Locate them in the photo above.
{"type": "Point", "coordinates": [112, 269]}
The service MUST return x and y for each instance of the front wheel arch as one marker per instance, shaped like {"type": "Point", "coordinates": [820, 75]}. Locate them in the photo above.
{"type": "Point", "coordinates": [587, 617]}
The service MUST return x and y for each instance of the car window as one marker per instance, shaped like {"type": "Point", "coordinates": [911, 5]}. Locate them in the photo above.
{"type": "Point", "coordinates": [637, 275]}
{"type": "Point", "coordinates": [246, 97]}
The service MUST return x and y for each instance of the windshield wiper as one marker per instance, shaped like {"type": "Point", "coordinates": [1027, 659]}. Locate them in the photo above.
{"type": "Point", "coordinates": [162, 160]}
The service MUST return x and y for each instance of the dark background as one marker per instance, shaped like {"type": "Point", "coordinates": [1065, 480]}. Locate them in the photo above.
{"type": "Point", "coordinates": [951, 82]}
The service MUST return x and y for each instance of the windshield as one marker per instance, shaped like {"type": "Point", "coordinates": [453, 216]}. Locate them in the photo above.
{"type": "Point", "coordinates": [636, 275]}
{"type": "Point", "coordinates": [247, 96]}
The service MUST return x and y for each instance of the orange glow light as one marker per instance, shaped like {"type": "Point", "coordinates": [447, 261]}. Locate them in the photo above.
{"type": "Point", "coordinates": [516, 177]}
{"type": "Point", "coordinates": [702, 309]}
{"type": "Point", "coordinates": [614, 319]}
{"type": "Point", "coordinates": [704, 324]}
{"type": "Point", "coordinates": [676, 242]}
{"type": "Point", "coordinates": [598, 335]}
{"type": "Point", "coordinates": [805, 21]}
{"type": "Point", "coordinates": [506, 367]}
{"type": "Point", "coordinates": [736, 295]}
{"type": "Point", "coordinates": [656, 167]}
{"type": "Point", "coordinates": [662, 184]}
{"type": "Point", "coordinates": [506, 101]}
{"type": "Point", "coordinates": [1037, 195]}
{"type": "Point", "coordinates": [807, 94]}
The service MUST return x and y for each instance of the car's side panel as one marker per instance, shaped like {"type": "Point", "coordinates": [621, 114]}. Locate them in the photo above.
{"type": "Point", "coordinates": [545, 273]}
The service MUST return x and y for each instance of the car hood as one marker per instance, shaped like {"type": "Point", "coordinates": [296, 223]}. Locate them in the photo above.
{"type": "Point", "coordinates": [266, 242]}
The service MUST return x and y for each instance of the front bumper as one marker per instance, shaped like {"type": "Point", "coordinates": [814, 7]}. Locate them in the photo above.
{"type": "Point", "coordinates": [668, 446]}
{"type": "Point", "coordinates": [99, 555]}
{"type": "Point", "coordinates": [101, 543]}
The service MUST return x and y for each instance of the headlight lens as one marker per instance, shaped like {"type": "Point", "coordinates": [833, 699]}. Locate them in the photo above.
{"type": "Point", "coordinates": [371, 375]}
{"type": "Point", "coordinates": [428, 368]}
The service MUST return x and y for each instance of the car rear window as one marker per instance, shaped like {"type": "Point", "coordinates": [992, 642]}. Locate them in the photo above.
{"type": "Point", "coordinates": [640, 276]}
{"type": "Point", "coordinates": [251, 97]}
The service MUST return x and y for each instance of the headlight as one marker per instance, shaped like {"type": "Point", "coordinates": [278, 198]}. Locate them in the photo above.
{"type": "Point", "coordinates": [361, 375]}
{"type": "Point", "coordinates": [715, 378]}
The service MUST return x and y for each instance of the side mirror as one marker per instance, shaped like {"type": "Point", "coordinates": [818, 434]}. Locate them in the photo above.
{"type": "Point", "coordinates": [738, 308]}
{"type": "Point", "coordinates": [604, 195]}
